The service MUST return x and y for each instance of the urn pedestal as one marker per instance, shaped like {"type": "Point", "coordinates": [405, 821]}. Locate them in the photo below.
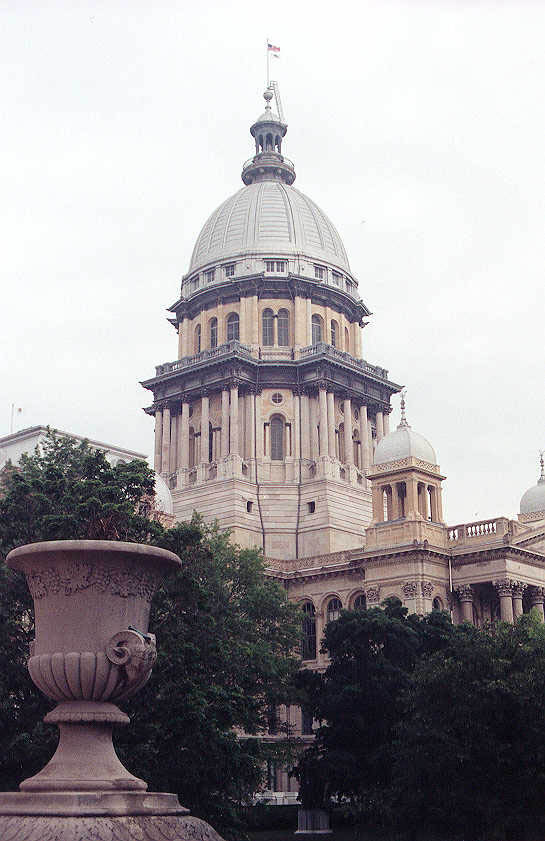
{"type": "Point", "coordinates": [92, 649]}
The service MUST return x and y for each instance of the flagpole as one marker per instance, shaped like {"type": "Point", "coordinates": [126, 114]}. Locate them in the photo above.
{"type": "Point", "coordinates": [268, 73]}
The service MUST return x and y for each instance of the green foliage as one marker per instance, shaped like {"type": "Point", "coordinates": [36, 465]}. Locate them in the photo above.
{"type": "Point", "coordinates": [226, 635]}
{"type": "Point", "coordinates": [428, 727]}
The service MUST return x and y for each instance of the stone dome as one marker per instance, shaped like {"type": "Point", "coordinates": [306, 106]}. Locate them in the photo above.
{"type": "Point", "coordinates": [534, 498]}
{"type": "Point", "coordinates": [272, 219]}
{"type": "Point", "coordinates": [404, 442]}
{"type": "Point", "coordinates": [163, 497]}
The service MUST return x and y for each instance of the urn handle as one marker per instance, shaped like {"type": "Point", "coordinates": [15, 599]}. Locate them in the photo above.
{"type": "Point", "coordinates": [134, 651]}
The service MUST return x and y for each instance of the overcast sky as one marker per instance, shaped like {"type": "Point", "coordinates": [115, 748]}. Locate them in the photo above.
{"type": "Point", "coordinates": [417, 126]}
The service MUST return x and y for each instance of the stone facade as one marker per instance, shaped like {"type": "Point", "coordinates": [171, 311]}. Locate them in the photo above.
{"type": "Point", "coordinates": [271, 422]}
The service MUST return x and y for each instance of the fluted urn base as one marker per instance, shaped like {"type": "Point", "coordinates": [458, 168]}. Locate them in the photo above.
{"type": "Point", "coordinates": [128, 828]}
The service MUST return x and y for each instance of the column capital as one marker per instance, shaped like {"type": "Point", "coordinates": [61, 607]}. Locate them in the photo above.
{"type": "Point", "coordinates": [518, 588]}
{"type": "Point", "coordinates": [321, 385]}
{"type": "Point", "coordinates": [537, 594]}
{"type": "Point", "coordinates": [234, 382]}
{"type": "Point", "coordinates": [464, 593]}
{"type": "Point", "coordinates": [206, 391]}
{"type": "Point", "coordinates": [503, 586]}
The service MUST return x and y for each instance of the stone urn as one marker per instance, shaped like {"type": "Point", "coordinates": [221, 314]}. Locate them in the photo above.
{"type": "Point", "coordinates": [92, 650]}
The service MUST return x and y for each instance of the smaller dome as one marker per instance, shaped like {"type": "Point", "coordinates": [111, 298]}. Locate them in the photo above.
{"type": "Point", "coordinates": [534, 498]}
{"type": "Point", "coordinates": [163, 497]}
{"type": "Point", "coordinates": [404, 442]}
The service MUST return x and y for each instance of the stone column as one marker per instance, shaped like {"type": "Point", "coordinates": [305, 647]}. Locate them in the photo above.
{"type": "Point", "coordinates": [205, 420]}
{"type": "Point", "coordinates": [173, 442]}
{"type": "Point", "coordinates": [331, 423]}
{"type": "Point", "coordinates": [185, 325]}
{"type": "Point", "coordinates": [518, 591]}
{"type": "Point", "coordinates": [465, 596]}
{"type": "Point", "coordinates": [250, 424]}
{"type": "Point", "coordinates": [184, 435]}
{"type": "Point", "coordinates": [300, 324]}
{"type": "Point", "coordinates": [322, 397]}
{"type": "Point", "coordinates": [386, 423]}
{"type": "Point", "coordinates": [380, 426]}
{"type": "Point", "coordinates": [348, 448]}
{"type": "Point", "coordinates": [537, 597]}
{"type": "Point", "coordinates": [314, 426]}
{"type": "Point", "coordinates": [309, 321]}
{"type": "Point", "coordinates": [224, 423]}
{"type": "Point", "coordinates": [364, 439]}
{"type": "Point", "coordinates": [234, 444]}
{"type": "Point", "coordinates": [305, 426]}
{"type": "Point", "coordinates": [180, 341]}
{"type": "Point", "coordinates": [357, 338]}
{"type": "Point", "coordinates": [258, 426]}
{"type": "Point", "coordinates": [255, 320]}
{"type": "Point", "coordinates": [165, 452]}
{"type": "Point", "coordinates": [157, 459]}
{"type": "Point", "coordinates": [411, 500]}
{"type": "Point", "coordinates": [377, 504]}
{"type": "Point", "coordinates": [222, 329]}
{"type": "Point", "coordinates": [296, 424]}
{"type": "Point", "coordinates": [504, 589]}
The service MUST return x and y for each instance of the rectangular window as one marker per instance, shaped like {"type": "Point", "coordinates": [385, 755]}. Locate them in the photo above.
{"type": "Point", "coordinates": [275, 265]}
{"type": "Point", "coordinates": [193, 283]}
{"type": "Point", "coordinates": [229, 270]}
{"type": "Point", "coordinates": [337, 279]}
{"type": "Point", "coordinates": [319, 272]}
{"type": "Point", "coordinates": [209, 276]}
{"type": "Point", "coordinates": [311, 507]}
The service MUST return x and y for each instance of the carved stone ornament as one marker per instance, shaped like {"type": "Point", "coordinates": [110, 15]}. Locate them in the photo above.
{"type": "Point", "coordinates": [504, 587]}
{"type": "Point", "coordinates": [464, 593]}
{"type": "Point", "coordinates": [409, 590]}
{"type": "Point", "coordinates": [372, 594]}
{"type": "Point", "coordinates": [427, 589]}
{"type": "Point", "coordinates": [537, 595]}
{"type": "Point", "coordinates": [518, 588]}
{"type": "Point", "coordinates": [123, 579]}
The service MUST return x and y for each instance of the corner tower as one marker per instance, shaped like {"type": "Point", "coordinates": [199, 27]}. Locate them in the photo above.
{"type": "Point", "coordinates": [268, 418]}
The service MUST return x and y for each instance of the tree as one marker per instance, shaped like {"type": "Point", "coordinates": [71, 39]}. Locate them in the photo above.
{"type": "Point", "coordinates": [360, 701]}
{"type": "Point", "coordinates": [226, 634]}
{"type": "Point", "coordinates": [471, 748]}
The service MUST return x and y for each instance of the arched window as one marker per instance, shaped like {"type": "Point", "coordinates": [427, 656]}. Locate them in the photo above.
{"type": "Point", "coordinates": [197, 339]}
{"type": "Point", "coordinates": [341, 442]}
{"type": "Point", "coordinates": [191, 447]}
{"type": "Point", "coordinates": [360, 602]}
{"type": "Point", "coordinates": [213, 333]}
{"type": "Point", "coordinates": [308, 642]}
{"type": "Point", "coordinates": [356, 447]}
{"type": "Point", "coordinates": [437, 604]}
{"type": "Point", "coordinates": [283, 327]}
{"type": "Point", "coordinates": [316, 329]}
{"type": "Point", "coordinates": [334, 333]}
{"type": "Point", "coordinates": [334, 607]}
{"type": "Point", "coordinates": [267, 322]}
{"type": "Point", "coordinates": [233, 327]}
{"type": "Point", "coordinates": [269, 143]}
{"type": "Point", "coordinates": [277, 438]}
{"type": "Point", "coordinates": [346, 340]}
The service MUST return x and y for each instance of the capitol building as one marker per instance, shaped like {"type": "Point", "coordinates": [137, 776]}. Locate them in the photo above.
{"type": "Point", "coordinates": [271, 421]}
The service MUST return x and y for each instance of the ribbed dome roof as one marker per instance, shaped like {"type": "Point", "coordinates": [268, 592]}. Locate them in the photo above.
{"type": "Point", "coordinates": [402, 443]}
{"type": "Point", "coordinates": [534, 498]}
{"type": "Point", "coordinates": [269, 218]}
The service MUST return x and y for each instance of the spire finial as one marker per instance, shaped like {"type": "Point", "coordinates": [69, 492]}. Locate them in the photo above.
{"type": "Point", "coordinates": [541, 479]}
{"type": "Point", "coordinates": [403, 421]}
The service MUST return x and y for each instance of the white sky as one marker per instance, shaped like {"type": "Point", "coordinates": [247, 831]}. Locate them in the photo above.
{"type": "Point", "coordinates": [417, 126]}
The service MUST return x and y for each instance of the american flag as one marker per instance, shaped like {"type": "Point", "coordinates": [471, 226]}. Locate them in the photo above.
{"type": "Point", "coordinates": [272, 49]}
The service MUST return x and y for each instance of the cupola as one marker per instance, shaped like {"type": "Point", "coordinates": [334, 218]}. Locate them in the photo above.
{"type": "Point", "coordinates": [268, 163]}
{"type": "Point", "coordinates": [406, 489]}
{"type": "Point", "coordinates": [532, 503]}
